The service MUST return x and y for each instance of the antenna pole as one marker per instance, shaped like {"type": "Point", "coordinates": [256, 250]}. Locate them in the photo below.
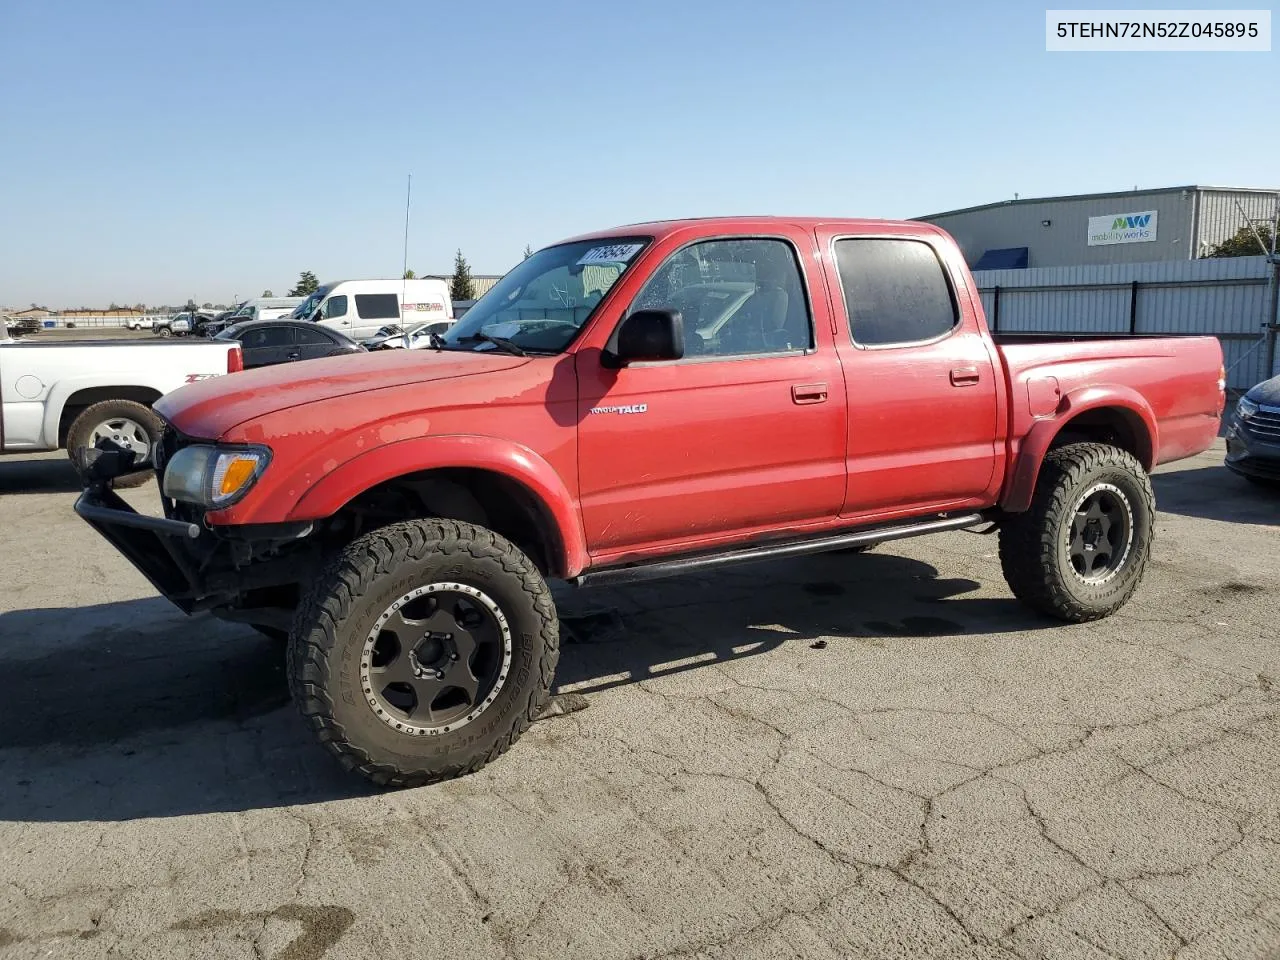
{"type": "Point", "coordinates": [407, 194]}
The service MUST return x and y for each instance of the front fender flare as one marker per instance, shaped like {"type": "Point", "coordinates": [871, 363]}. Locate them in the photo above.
{"type": "Point", "coordinates": [1025, 470]}
{"type": "Point", "coordinates": [505, 457]}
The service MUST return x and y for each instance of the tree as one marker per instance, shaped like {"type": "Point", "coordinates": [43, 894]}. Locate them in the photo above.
{"type": "Point", "coordinates": [528, 252]}
{"type": "Point", "coordinates": [410, 275]}
{"type": "Point", "coordinates": [268, 293]}
{"type": "Point", "coordinates": [306, 285]}
{"type": "Point", "coordinates": [1244, 243]}
{"type": "Point", "coordinates": [461, 287]}
{"type": "Point", "coordinates": [207, 305]}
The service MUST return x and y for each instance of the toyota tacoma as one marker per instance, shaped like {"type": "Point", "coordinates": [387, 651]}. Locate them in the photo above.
{"type": "Point", "coordinates": [636, 403]}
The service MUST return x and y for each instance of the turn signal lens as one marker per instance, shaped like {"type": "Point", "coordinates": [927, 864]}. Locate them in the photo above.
{"type": "Point", "coordinates": [232, 473]}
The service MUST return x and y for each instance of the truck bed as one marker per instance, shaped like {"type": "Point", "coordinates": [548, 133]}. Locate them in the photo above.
{"type": "Point", "coordinates": [1161, 378]}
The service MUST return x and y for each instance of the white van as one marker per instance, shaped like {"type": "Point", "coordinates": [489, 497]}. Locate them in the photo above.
{"type": "Point", "coordinates": [360, 308]}
{"type": "Point", "coordinates": [265, 308]}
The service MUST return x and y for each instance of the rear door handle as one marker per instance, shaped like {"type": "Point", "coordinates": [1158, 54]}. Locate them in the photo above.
{"type": "Point", "coordinates": [964, 376]}
{"type": "Point", "coordinates": [809, 392]}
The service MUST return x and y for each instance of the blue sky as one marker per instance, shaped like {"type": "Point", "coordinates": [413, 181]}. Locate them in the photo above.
{"type": "Point", "coordinates": [160, 150]}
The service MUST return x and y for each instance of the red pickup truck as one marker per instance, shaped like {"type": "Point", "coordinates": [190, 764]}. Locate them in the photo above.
{"type": "Point", "coordinates": [635, 403]}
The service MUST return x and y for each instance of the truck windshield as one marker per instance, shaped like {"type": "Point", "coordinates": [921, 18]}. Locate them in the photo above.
{"type": "Point", "coordinates": [542, 304]}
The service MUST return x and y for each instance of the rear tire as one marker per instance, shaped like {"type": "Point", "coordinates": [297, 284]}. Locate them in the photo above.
{"type": "Point", "coordinates": [1080, 551]}
{"type": "Point", "coordinates": [423, 651]}
{"type": "Point", "coordinates": [135, 424]}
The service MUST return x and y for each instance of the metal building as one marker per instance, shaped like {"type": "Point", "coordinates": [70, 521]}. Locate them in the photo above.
{"type": "Point", "coordinates": [1133, 226]}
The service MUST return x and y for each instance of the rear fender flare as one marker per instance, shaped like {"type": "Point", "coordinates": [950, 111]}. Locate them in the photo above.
{"type": "Point", "coordinates": [1025, 469]}
{"type": "Point", "coordinates": [512, 460]}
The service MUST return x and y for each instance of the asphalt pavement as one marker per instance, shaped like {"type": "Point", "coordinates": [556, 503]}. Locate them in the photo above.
{"type": "Point", "coordinates": [879, 755]}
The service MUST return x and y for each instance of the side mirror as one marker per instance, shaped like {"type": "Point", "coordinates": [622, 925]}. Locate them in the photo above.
{"type": "Point", "coordinates": [647, 336]}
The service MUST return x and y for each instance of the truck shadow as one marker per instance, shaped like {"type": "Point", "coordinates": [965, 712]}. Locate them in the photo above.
{"type": "Point", "coordinates": [38, 475]}
{"type": "Point", "coordinates": [1215, 493]}
{"type": "Point", "coordinates": [130, 710]}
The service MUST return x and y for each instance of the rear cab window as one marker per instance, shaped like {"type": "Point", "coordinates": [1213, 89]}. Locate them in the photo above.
{"type": "Point", "coordinates": [895, 291]}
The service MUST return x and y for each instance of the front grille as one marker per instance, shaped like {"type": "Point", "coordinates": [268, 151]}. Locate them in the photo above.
{"type": "Point", "coordinates": [167, 445]}
{"type": "Point", "coordinates": [1265, 424]}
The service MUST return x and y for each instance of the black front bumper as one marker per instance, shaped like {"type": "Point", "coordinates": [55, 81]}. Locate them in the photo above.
{"type": "Point", "coordinates": [1252, 452]}
{"type": "Point", "coordinates": [236, 573]}
{"type": "Point", "coordinates": [169, 553]}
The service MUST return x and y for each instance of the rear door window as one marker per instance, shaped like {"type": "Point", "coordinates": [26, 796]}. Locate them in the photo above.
{"type": "Point", "coordinates": [895, 291]}
{"type": "Point", "coordinates": [378, 306]}
{"type": "Point", "coordinates": [311, 335]}
{"type": "Point", "coordinates": [267, 337]}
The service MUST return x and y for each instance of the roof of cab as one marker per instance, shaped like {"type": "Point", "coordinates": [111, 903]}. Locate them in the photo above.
{"type": "Point", "coordinates": [658, 229]}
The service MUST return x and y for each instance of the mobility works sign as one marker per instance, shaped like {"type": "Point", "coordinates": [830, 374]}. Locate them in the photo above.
{"type": "Point", "coordinates": [1122, 228]}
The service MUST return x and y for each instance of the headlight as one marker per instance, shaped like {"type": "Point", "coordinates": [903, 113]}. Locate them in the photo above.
{"type": "Point", "coordinates": [1246, 408]}
{"type": "Point", "coordinates": [214, 477]}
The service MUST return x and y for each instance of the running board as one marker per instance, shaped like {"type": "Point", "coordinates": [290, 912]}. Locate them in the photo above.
{"type": "Point", "coordinates": [657, 569]}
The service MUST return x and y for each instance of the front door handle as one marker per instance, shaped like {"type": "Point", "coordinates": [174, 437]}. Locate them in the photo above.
{"type": "Point", "coordinates": [809, 393]}
{"type": "Point", "coordinates": [964, 376]}
{"type": "Point", "coordinates": [293, 356]}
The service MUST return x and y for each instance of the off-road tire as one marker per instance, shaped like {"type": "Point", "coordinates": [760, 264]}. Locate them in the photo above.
{"type": "Point", "coordinates": [79, 435]}
{"type": "Point", "coordinates": [1034, 546]}
{"type": "Point", "coordinates": [331, 624]}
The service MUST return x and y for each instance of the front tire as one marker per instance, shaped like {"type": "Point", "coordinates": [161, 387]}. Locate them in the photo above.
{"type": "Point", "coordinates": [129, 424]}
{"type": "Point", "coordinates": [1080, 551]}
{"type": "Point", "coordinates": [424, 651]}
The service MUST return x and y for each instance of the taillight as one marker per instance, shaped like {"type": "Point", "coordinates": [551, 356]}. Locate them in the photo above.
{"type": "Point", "coordinates": [235, 360]}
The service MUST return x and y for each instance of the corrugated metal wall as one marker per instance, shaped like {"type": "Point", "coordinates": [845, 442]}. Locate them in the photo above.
{"type": "Point", "coordinates": [1229, 298]}
{"type": "Point", "coordinates": [1219, 217]}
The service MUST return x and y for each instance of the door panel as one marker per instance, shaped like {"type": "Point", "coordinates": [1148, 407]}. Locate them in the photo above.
{"type": "Point", "coordinates": [710, 447]}
{"type": "Point", "coordinates": [915, 437]}
{"type": "Point", "coordinates": [921, 387]}
{"type": "Point", "coordinates": [748, 431]}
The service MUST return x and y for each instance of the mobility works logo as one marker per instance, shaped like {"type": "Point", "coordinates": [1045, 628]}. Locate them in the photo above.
{"type": "Point", "coordinates": [1122, 228]}
{"type": "Point", "coordinates": [1132, 222]}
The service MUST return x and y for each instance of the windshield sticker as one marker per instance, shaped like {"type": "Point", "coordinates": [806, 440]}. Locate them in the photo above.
{"type": "Point", "coordinates": [614, 253]}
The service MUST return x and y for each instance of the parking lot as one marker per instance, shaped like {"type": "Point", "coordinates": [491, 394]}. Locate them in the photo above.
{"type": "Point", "coordinates": [878, 755]}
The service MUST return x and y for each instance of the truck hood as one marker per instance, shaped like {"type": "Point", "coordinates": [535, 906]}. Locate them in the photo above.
{"type": "Point", "coordinates": [207, 409]}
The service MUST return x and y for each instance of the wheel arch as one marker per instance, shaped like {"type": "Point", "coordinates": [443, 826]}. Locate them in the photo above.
{"type": "Point", "coordinates": [497, 484]}
{"type": "Point", "coordinates": [1113, 414]}
{"type": "Point", "coordinates": [61, 411]}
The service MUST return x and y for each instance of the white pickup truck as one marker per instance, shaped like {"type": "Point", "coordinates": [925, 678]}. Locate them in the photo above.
{"type": "Point", "coordinates": [73, 393]}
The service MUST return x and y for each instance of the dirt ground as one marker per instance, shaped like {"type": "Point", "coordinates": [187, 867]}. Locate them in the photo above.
{"type": "Point", "coordinates": [877, 755]}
